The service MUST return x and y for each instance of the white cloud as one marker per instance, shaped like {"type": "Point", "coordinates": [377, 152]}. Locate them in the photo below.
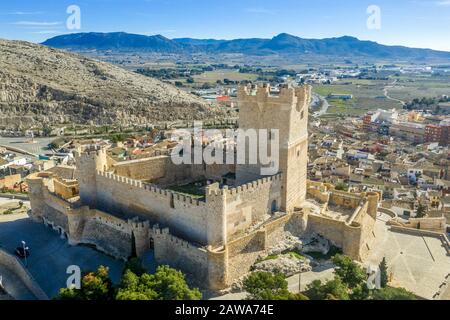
{"type": "Point", "coordinates": [24, 13]}
{"type": "Point", "coordinates": [45, 32]}
{"type": "Point", "coordinates": [443, 3]}
{"type": "Point", "coordinates": [36, 23]}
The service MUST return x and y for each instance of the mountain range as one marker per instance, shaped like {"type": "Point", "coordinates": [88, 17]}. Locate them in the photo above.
{"type": "Point", "coordinates": [282, 44]}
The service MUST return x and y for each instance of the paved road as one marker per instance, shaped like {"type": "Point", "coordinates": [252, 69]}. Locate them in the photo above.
{"type": "Point", "coordinates": [51, 255]}
{"type": "Point", "coordinates": [14, 285]}
{"type": "Point", "coordinates": [23, 143]}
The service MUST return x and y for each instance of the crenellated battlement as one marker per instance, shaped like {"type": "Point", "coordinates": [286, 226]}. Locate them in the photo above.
{"type": "Point", "coordinates": [167, 194]}
{"type": "Point", "coordinates": [95, 155]}
{"type": "Point", "coordinates": [288, 95]}
{"type": "Point", "coordinates": [93, 151]}
{"type": "Point", "coordinates": [138, 225]}
{"type": "Point", "coordinates": [215, 189]}
{"type": "Point", "coordinates": [165, 233]}
{"type": "Point", "coordinates": [254, 185]}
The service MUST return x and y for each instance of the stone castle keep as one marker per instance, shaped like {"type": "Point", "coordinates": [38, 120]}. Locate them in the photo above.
{"type": "Point", "coordinates": [127, 208]}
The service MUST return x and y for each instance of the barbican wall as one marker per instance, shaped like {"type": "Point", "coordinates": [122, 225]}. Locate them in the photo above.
{"type": "Point", "coordinates": [354, 235]}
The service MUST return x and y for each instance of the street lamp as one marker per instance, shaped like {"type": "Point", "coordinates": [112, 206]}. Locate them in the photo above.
{"type": "Point", "coordinates": [25, 249]}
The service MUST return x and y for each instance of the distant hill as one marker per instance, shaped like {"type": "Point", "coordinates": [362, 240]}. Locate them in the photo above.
{"type": "Point", "coordinates": [41, 85]}
{"type": "Point", "coordinates": [114, 40]}
{"type": "Point", "coordinates": [281, 44]}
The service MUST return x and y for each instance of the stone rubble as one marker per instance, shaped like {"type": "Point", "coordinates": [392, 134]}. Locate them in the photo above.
{"type": "Point", "coordinates": [285, 264]}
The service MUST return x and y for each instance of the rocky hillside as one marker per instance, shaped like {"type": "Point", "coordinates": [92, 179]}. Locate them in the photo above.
{"type": "Point", "coordinates": [44, 85]}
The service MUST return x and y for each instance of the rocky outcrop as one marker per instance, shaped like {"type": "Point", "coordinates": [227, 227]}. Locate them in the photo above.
{"type": "Point", "coordinates": [42, 85]}
{"type": "Point", "coordinates": [286, 264]}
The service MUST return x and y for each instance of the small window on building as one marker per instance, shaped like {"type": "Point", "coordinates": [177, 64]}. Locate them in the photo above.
{"type": "Point", "coordinates": [302, 115]}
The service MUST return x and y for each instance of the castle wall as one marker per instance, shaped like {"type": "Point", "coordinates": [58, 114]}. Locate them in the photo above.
{"type": "Point", "coordinates": [185, 216]}
{"type": "Point", "coordinates": [180, 254]}
{"type": "Point", "coordinates": [331, 229]}
{"type": "Point", "coordinates": [318, 194]}
{"type": "Point", "coordinates": [160, 170]}
{"type": "Point", "coordinates": [243, 252]}
{"type": "Point", "coordinates": [55, 217]}
{"type": "Point", "coordinates": [67, 189]}
{"type": "Point", "coordinates": [345, 199]}
{"type": "Point", "coordinates": [368, 236]}
{"type": "Point", "coordinates": [355, 239]}
{"type": "Point", "coordinates": [107, 236]}
{"type": "Point", "coordinates": [252, 202]}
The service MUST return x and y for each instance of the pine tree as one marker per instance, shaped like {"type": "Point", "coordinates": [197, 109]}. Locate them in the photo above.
{"type": "Point", "coordinates": [421, 211]}
{"type": "Point", "coordinates": [383, 273]}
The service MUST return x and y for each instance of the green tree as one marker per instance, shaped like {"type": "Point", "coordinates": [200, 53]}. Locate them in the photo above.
{"type": "Point", "coordinates": [171, 285]}
{"type": "Point", "coordinates": [268, 286]}
{"type": "Point", "coordinates": [350, 272]}
{"type": "Point", "coordinates": [383, 273]}
{"type": "Point", "coordinates": [342, 187]}
{"type": "Point", "coordinates": [390, 293]}
{"type": "Point", "coordinates": [165, 284]}
{"type": "Point", "coordinates": [361, 292]}
{"type": "Point", "coordinates": [46, 130]}
{"type": "Point", "coordinates": [134, 265]}
{"type": "Point", "coordinates": [134, 287]}
{"type": "Point", "coordinates": [421, 211]}
{"type": "Point", "coordinates": [332, 290]}
{"type": "Point", "coordinates": [94, 286]}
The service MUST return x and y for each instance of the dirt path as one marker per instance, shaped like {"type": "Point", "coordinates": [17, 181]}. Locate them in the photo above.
{"type": "Point", "coordinates": [386, 93]}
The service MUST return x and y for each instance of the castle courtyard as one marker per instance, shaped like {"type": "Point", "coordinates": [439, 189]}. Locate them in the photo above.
{"type": "Point", "coordinates": [50, 255]}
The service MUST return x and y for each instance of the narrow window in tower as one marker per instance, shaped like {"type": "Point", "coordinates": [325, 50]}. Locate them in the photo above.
{"type": "Point", "coordinates": [302, 115]}
{"type": "Point", "coordinates": [172, 202]}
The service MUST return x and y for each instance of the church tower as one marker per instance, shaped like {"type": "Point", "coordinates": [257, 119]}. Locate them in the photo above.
{"type": "Point", "coordinates": [287, 113]}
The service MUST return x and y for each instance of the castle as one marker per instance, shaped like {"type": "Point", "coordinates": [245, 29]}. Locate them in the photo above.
{"type": "Point", "coordinates": [127, 208]}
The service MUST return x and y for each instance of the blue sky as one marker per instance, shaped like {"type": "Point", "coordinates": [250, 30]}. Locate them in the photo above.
{"type": "Point", "coordinates": [416, 23]}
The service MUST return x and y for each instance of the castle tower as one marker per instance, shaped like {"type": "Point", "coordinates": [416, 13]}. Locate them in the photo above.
{"type": "Point", "coordinates": [288, 114]}
{"type": "Point", "coordinates": [88, 163]}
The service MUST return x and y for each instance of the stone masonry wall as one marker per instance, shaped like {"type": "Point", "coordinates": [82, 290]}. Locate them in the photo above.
{"type": "Point", "coordinates": [106, 238]}
{"type": "Point", "coordinates": [186, 217]}
{"type": "Point", "coordinates": [182, 255]}
{"type": "Point", "coordinates": [252, 202]}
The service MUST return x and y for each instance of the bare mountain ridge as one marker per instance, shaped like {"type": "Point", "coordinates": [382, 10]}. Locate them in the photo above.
{"type": "Point", "coordinates": [44, 85]}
